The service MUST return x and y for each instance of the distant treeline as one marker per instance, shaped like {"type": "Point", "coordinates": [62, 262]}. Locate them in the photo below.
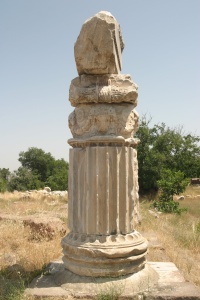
{"type": "Point", "coordinates": [38, 169]}
{"type": "Point", "coordinates": [161, 148]}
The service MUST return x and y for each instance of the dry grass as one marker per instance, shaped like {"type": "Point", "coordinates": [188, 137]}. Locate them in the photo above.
{"type": "Point", "coordinates": [22, 204]}
{"type": "Point", "coordinates": [17, 245]}
{"type": "Point", "coordinates": [16, 240]}
{"type": "Point", "coordinates": [179, 235]}
{"type": "Point", "coordinates": [18, 248]}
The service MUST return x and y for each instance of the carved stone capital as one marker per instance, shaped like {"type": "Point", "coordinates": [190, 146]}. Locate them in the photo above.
{"type": "Point", "coordinates": [103, 89]}
{"type": "Point", "coordinates": [103, 120]}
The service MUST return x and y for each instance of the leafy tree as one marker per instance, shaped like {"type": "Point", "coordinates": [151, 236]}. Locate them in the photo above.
{"type": "Point", "coordinates": [39, 162]}
{"type": "Point", "coordinates": [59, 178]}
{"type": "Point", "coordinates": [38, 170]}
{"type": "Point", "coordinates": [4, 173]}
{"type": "Point", "coordinates": [170, 184]}
{"type": "Point", "coordinates": [3, 185]}
{"type": "Point", "coordinates": [164, 148]}
{"type": "Point", "coordinates": [4, 177]}
{"type": "Point", "coordinates": [24, 179]}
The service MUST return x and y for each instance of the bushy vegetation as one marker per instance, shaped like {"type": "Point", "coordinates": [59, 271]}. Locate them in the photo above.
{"type": "Point", "coordinates": [4, 177]}
{"type": "Point", "coordinates": [167, 159]}
{"type": "Point", "coordinates": [37, 170]}
{"type": "Point", "coordinates": [163, 148]}
{"type": "Point", "coordinates": [170, 184]}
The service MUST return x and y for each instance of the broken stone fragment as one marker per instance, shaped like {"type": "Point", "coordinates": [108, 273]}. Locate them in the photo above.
{"type": "Point", "coordinates": [99, 46]}
{"type": "Point", "coordinates": [103, 89]}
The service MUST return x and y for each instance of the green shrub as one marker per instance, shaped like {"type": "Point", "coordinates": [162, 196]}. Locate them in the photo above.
{"type": "Point", "coordinates": [170, 184]}
{"type": "Point", "coordinates": [168, 207]}
{"type": "Point", "coordinates": [197, 227]}
{"type": "Point", "coordinates": [162, 147]}
{"type": "Point", "coordinates": [11, 289]}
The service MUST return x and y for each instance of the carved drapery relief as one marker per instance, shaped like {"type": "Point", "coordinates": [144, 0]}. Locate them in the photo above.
{"type": "Point", "coordinates": [103, 119]}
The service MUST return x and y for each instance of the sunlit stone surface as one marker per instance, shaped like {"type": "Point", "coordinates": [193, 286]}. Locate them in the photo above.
{"type": "Point", "coordinates": [103, 174]}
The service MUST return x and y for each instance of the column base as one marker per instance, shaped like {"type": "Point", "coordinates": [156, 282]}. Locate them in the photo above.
{"type": "Point", "coordinates": [104, 255]}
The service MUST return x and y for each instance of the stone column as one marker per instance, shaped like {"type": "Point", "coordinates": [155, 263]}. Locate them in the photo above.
{"type": "Point", "coordinates": [103, 169]}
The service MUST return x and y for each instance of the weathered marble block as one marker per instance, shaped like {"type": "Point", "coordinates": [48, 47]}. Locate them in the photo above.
{"type": "Point", "coordinates": [109, 88]}
{"type": "Point", "coordinates": [99, 46]}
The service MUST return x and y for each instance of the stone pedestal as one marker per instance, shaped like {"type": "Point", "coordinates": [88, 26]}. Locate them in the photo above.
{"type": "Point", "coordinates": [103, 169]}
{"type": "Point", "coordinates": [157, 281]}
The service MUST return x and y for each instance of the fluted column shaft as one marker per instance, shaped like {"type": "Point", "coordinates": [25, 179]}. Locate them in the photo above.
{"type": "Point", "coordinates": [106, 199]}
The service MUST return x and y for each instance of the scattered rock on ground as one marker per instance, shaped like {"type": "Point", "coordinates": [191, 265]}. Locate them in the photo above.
{"type": "Point", "coordinates": [45, 227]}
{"type": "Point", "coordinates": [154, 213]}
{"type": "Point", "coordinates": [48, 189]}
{"type": "Point", "coordinates": [181, 198]}
{"type": "Point", "coordinates": [8, 259]}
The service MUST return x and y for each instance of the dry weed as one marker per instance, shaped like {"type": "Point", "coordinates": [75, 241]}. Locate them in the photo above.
{"type": "Point", "coordinates": [179, 235]}
{"type": "Point", "coordinates": [16, 243]}
{"type": "Point", "coordinates": [21, 204]}
{"type": "Point", "coordinates": [17, 246]}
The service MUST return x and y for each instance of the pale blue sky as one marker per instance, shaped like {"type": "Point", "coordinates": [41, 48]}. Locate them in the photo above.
{"type": "Point", "coordinates": [162, 55]}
